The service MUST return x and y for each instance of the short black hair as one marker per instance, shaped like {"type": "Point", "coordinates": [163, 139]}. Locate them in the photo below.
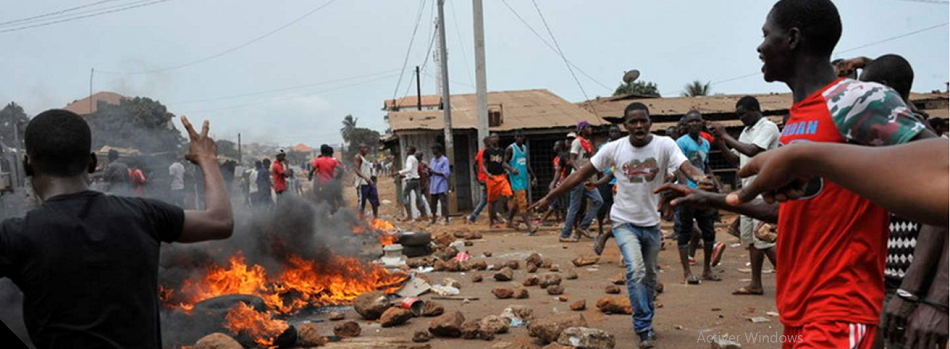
{"type": "Point", "coordinates": [817, 20]}
{"type": "Point", "coordinates": [438, 147]}
{"type": "Point", "coordinates": [691, 112]}
{"type": "Point", "coordinates": [410, 149]}
{"type": "Point", "coordinates": [58, 143]}
{"type": "Point", "coordinates": [635, 106]}
{"type": "Point", "coordinates": [749, 103]}
{"type": "Point", "coordinates": [892, 69]}
{"type": "Point", "coordinates": [326, 150]}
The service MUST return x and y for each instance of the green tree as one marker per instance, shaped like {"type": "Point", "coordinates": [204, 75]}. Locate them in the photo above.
{"type": "Point", "coordinates": [349, 124]}
{"type": "Point", "coordinates": [12, 115]}
{"type": "Point", "coordinates": [359, 136]}
{"type": "Point", "coordinates": [227, 148]}
{"type": "Point", "coordinates": [138, 123]}
{"type": "Point", "coordinates": [643, 88]}
{"type": "Point", "coordinates": [696, 88]}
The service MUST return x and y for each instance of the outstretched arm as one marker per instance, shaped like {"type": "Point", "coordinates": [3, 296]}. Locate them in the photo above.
{"type": "Point", "coordinates": [909, 180]}
{"type": "Point", "coordinates": [570, 182]}
{"type": "Point", "coordinates": [216, 221]}
{"type": "Point", "coordinates": [698, 198]}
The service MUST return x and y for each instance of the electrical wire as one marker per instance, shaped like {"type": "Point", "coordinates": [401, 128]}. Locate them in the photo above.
{"type": "Point", "coordinates": [27, 19]}
{"type": "Point", "coordinates": [566, 63]}
{"type": "Point", "coordinates": [412, 39]}
{"type": "Point", "coordinates": [222, 53]}
{"type": "Point", "coordinates": [73, 18]}
{"type": "Point", "coordinates": [546, 43]}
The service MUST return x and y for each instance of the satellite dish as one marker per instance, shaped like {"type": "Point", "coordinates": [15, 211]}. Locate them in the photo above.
{"type": "Point", "coordinates": [631, 76]}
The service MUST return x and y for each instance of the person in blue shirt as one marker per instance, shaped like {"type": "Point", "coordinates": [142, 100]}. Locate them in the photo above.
{"type": "Point", "coordinates": [696, 149]}
{"type": "Point", "coordinates": [439, 172]}
{"type": "Point", "coordinates": [520, 178]}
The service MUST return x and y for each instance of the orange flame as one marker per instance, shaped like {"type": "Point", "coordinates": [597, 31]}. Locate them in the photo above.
{"type": "Point", "coordinates": [381, 225]}
{"type": "Point", "coordinates": [242, 318]}
{"type": "Point", "coordinates": [387, 231]}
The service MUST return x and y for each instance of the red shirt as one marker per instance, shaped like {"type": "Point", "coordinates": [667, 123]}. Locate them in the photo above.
{"type": "Point", "coordinates": [480, 159]}
{"type": "Point", "coordinates": [325, 168]}
{"type": "Point", "coordinates": [707, 136]}
{"type": "Point", "coordinates": [832, 243]}
{"type": "Point", "coordinates": [277, 172]}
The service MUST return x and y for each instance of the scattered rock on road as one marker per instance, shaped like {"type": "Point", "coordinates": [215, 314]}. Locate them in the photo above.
{"type": "Point", "coordinates": [447, 325]}
{"type": "Point", "coordinates": [588, 338]}
{"type": "Point", "coordinates": [347, 329]}
{"type": "Point", "coordinates": [505, 274]}
{"type": "Point", "coordinates": [395, 316]}
{"type": "Point", "coordinates": [614, 305]}
{"type": "Point", "coordinates": [371, 305]}
{"type": "Point", "coordinates": [579, 305]}
{"type": "Point", "coordinates": [548, 329]}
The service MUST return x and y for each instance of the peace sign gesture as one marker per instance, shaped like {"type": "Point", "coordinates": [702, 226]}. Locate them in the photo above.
{"type": "Point", "coordinates": [201, 148]}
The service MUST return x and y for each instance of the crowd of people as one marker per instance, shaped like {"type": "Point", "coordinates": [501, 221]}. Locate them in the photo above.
{"type": "Point", "coordinates": [821, 195]}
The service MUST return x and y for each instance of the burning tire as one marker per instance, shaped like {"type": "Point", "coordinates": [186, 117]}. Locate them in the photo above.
{"type": "Point", "coordinates": [417, 251]}
{"type": "Point", "coordinates": [413, 238]}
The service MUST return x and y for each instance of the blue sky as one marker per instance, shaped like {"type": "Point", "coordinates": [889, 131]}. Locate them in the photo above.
{"type": "Point", "coordinates": [297, 84]}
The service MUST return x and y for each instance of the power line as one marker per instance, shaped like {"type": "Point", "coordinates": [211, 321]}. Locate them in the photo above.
{"type": "Point", "coordinates": [566, 63]}
{"type": "Point", "coordinates": [55, 13]}
{"type": "Point", "coordinates": [424, 62]}
{"type": "Point", "coordinates": [282, 89]}
{"type": "Point", "coordinates": [73, 18]}
{"type": "Point", "coordinates": [450, 80]}
{"type": "Point", "coordinates": [458, 34]}
{"type": "Point", "coordinates": [412, 39]}
{"type": "Point", "coordinates": [546, 43]}
{"type": "Point", "coordinates": [939, 2]}
{"type": "Point", "coordinates": [208, 58]}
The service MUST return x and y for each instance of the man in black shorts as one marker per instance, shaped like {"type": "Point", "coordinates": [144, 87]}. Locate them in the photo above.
{"type": "Point", "coordinates": [87, 262]}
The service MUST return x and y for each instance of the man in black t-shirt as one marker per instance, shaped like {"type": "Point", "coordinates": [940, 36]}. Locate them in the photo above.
{"type": "Point", "coordinates": [496, 183]}
{"type": "Point", "coordinates": [87, 262]}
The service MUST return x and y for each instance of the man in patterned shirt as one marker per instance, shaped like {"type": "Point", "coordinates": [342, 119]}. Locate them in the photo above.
{"type": "Point", "coordinates": [832, 240]}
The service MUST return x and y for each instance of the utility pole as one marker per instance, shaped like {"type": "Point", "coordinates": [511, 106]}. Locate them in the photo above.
{"type": "Point", "coordinates": [447, 108]}
{"type": "Point", "coordinates": [481, 86]}
{"type": "Point", "coordinates": [418, 90]}
{"type": "Point", "coordinates": [239, 148]}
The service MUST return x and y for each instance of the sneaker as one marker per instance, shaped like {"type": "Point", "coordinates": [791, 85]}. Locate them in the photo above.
{"type": "Point", "coordinates": [647, 339]}
{"type": "Point", "coordinates": [691, 260]}
{"type": "Point", "coordinates": [718, 250]}
{"type": "Point", "coordinates": [568, 239]}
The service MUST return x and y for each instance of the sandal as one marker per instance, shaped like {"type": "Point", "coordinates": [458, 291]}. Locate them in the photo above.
{"type": "Point", "coordinates": [711, 277]}
{"type": "Point", "coordinates": [692, 280]}
{"type": "Point", "coordinates": [743, 291]}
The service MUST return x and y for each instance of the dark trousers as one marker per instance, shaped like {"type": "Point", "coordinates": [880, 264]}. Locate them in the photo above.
{"type": "Point", "coordinates": [683, 224]}
{"type": "Point", "coordinates": [439, 198]}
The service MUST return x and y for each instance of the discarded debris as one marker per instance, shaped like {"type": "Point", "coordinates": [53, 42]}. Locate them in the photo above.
{"type": "Point", "coordinates": [395, 316]}
{"type": "Point", "coordinates": [581, 261]}
{"type": "Point", "coordinates": [445, 290]}
{"type": "Point", "coordinates": [759, 319]}
{"type": "Point", "coordinates": [721, 342]}
{"type": "Point", "coordinates": [614, 305]}
{"type": "Point", "coordinates": [451, 282]}
{"type": "Point", "coordinates": [217, 341]}
{"type": "Point", "coordinates": [587, 338]}
{"type": "Point", "coordinates": [414, 287]}
{"type": "Point", "coordinates": [447, 325]}
{"type": "Point", "coordinates": [549, 329]}
{"type": "Point", "coordinates": [347, 329]}
{"type": "Point", "coordinates": [505, 274]}
{"type": "Point", "coordinates": [503, 292]}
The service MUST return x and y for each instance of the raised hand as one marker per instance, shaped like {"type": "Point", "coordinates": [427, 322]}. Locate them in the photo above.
{"type": "Point", "coordinates": [201, 148]}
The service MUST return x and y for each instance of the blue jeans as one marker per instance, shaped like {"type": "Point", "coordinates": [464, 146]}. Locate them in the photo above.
{"type": "Point", "coordinates": [481, 203]}
{"type": "Point", "coordinates": [639, 247]}
{"type": "Point", "coordinates": [577, 194]}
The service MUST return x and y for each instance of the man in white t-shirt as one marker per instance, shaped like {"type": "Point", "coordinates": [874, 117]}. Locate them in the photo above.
{"type": "Point", "coordinates": [640, 163]}
{"type": "Point", "coordinates": [177, 172]}
{"type": "Point", "coordinates": [760, 134]}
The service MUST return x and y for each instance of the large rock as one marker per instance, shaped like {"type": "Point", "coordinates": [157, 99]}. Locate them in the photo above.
{"type": "Point", "coordinates": [421, 336]}
{"type": "Point", "coordinates": [395, 316]}
{"type": "Point", "coordinates": [582, 261]}
{"type": "Point", "coordinates": [548, 279]}
{"type": "Point", "coordinates": [505, 274]}
{"type": "Point", "coordinates": [534, 259]}
{"type": "Point", "coordinates": [555, 290]}
{"type": "Point", "coordinates": [217, 341]}
{"type": "Point", "coordinates": [309, 335]}
{"type": "Point", "coordinates": [432, 309]}
{"type": "Point", "coordinates": [587, 338]}
{"type": "Point", "coordinates": [521, 293]}
{"type": "Point", "coordinates": [612, 289]}
{"type": "Point", "coordinates": [503, 292]}
{"type": "Point", "coordinates": [530, 281]}
{"type": "Point", "coordinates": [549, 329]}
{"type": "Point", "coordinates": [470, 330]}
{"type": "Point", "coordinates": [447, 325]}
{"type": "Point", "coordinates": [371, 305]}
{"type": "Point", "coordinates": [493, 324]}
{"type": "Point", "coordinates": [579, 305]}
{"type": "Point", "coordinates": [347, 329]}
{"type": "Point", "coordinates": [614, 305]}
